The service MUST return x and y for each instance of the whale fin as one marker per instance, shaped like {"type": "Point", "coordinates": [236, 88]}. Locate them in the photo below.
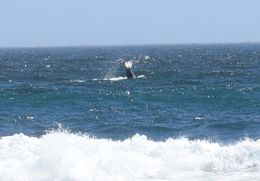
{"type": "Point", "coordinates": [128, 64]}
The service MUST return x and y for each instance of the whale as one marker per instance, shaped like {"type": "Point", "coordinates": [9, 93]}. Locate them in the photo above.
{"type": "Point", "coordinates": [129, 72]}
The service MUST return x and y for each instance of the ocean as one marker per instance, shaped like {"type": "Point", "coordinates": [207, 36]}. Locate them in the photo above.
{"type": "Point", "coordinates": [70, 113]}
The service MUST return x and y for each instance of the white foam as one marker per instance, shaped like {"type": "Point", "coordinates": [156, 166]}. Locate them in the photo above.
{"type": "Point", "coordinates": [116, 78]}
{"type": "Point", "coordinates": [146, 57]}
{"type": "Point", "coordinates": [120, 78]}
{"type": "Point", "coordinates": [66, 156]}
{"type": "Point", "coordinates": [77, 81]}
{"type": "Point", "coordinates": [140, 76]}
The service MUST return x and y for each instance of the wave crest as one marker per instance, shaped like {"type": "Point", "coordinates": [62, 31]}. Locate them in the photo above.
{"type": "Point", "coordinates": [67, 156]}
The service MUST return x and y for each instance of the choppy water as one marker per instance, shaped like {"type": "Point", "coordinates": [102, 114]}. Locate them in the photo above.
{"type": "Point", "coordinates": [71, 114]}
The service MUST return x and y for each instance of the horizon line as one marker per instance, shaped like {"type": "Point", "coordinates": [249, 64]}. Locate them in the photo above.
{"type": "Point", "coordinates": [129, 45]}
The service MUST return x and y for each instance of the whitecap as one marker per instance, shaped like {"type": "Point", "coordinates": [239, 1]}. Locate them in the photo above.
{"type": "Point", "coordinates": [77, 81]}
{"type": "Point", "coordinates": [65, 156]}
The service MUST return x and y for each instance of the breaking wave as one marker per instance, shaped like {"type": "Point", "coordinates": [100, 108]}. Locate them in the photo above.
{"type": "Point", "coordinates": [60, 155]}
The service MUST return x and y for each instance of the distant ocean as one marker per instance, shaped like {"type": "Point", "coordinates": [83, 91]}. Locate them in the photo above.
{"type": "Point", "coordinates": [192, 113]}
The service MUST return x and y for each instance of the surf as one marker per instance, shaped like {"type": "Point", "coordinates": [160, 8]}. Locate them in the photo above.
{"type": "Point", "coordinates": [61, 155]}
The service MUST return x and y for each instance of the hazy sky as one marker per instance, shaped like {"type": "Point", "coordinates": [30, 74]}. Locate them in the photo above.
{"type": "Point", "coordinates": [124, 22]}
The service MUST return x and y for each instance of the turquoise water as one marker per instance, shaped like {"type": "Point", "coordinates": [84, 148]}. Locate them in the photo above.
{"type": "Point", "coordinates": [187, 101]}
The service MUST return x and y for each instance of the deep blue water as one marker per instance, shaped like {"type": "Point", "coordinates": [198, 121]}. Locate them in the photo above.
{"type": "Point", "coordinates": [196, 91]}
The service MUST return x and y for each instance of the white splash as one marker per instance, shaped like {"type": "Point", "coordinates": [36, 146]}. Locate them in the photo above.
{"type": "Point", "coordinates": [116, 78]}
{"type": "Point", "coordinates": [122, 78]}
{"type": "Point", "coordinates": [146, 57]}
{"type": "Point", "coordinates": [128, 64]}
{"type": "Point", "coordinates": [65, 156]}
{"type": "Point", "coordinates": [141, 76]}
{"type": "Point", "coordinates": [77, 81]}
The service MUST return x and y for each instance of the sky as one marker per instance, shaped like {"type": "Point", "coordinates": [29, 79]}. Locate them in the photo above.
{"type": "Point", "coordinates": [29, 23]}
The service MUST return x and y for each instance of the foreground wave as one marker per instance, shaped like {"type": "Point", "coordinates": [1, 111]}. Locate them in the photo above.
{"type": "Point", "coordinates": [67, 156]}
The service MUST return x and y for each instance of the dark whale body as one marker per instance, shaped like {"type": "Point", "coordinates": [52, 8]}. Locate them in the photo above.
{"type": "Point", "coordinates": [129, 72]}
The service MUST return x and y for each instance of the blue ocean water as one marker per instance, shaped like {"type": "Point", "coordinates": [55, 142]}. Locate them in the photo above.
{"type": "Point", "coordinates": [72, 108]}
